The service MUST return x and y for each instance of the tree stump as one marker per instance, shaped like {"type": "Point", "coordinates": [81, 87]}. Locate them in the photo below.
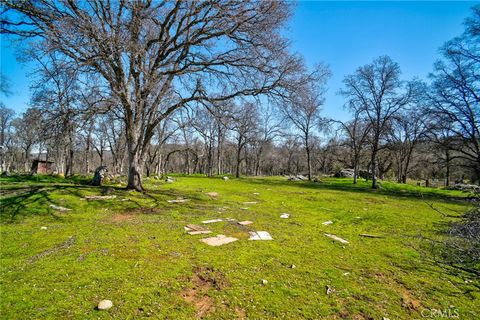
{"type": "Point", "coordinates": [99, 175]}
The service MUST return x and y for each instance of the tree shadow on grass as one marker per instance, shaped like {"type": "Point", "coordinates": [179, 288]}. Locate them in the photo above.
{"type": "Point", "coordinates": [35, 200]}
{"type": "Point", "coordinates": [345, 185]}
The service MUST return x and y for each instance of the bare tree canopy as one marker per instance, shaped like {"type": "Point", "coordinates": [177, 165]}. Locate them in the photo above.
{"type": "Point", "coordinates": [456, 91]}
{"type": "Point", "coordinates": [157, 56]}
{"type": "Point", "coordinates": [376, 91]}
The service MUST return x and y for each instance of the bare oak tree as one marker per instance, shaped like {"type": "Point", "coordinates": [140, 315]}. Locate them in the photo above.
{"type": "Point", "coordinates": [303, 105]}
{"type": "Point", "coordinates": [157, 56]}
{"type": "Point", "coordinates": [376, 91]}
{"type": "Point", "coordinates": [456, 92]}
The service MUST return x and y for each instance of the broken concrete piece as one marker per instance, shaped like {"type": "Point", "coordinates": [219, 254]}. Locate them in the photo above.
{"type": "Point", "coordinates": [218, 240]}
{"type": "Point", "coordinates": [212, 194]}
{"type": "Point", "coordinates": [334, 237]}
{"type": "Point", "coordinates": [100, 197]}
{"type": "Point", "coordinates": [245, 223]}
{"type": "Point", "coordinates": [370, 235]}
{"type": "Point", "coordinates": [284, 216]}
{"type": "Point", "coordinates": [194, 227]}
{"type": "Point", "coordinates": [193, 233]}
{"type": "Point", "coordinates": [212, 221]}
{"type": "Point", "coordinates": [327, 223]}
{"type": "Point", "coordinates": [330, 290]}
{"type": "Point", "coordinates": [59, 208]}
{"type": "Point", "coordinates": [260, 235]}
{"type": "Point", "coordinates": [177, 201]}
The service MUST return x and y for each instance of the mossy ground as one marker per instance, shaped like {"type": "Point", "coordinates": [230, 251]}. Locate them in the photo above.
{"type": "Point", "coordinates": [134, 251]}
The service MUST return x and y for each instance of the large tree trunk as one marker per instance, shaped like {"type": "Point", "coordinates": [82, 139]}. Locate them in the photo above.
{"type": "Point", "coordinates": [309, 164]}
{"type": "Point", "coordinates": [355, 170]}
{"type": "Point", "coordinates": [134, 170]}
{"type": "Point", "coordinates": [239, 159]}
{"type": "Point", "coordinates": [447, 162]}
{"type": "Point", "coordinates": [219, 151]}
{"type": "Point", "coordinates": [374, 168]}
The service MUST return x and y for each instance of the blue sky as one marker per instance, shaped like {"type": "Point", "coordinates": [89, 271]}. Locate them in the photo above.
{"type": "Point", "coordinates": [343, 34]}
{"type": "Point", "coordinates": [346, 35]}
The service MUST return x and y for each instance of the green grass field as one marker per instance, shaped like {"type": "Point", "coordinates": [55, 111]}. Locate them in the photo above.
{"type": "Point", "coordinates": [134, 251]}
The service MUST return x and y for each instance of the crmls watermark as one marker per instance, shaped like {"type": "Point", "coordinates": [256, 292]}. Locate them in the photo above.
{"type": "Point", "coordinates": [447, 313]}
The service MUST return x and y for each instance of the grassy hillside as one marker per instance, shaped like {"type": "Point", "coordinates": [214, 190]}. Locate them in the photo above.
{"type": "Point", "coordinates": [134, 251]}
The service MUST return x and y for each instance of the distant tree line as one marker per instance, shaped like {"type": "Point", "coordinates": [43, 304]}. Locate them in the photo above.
{"type": "Point", "coordinates": [148, 88]}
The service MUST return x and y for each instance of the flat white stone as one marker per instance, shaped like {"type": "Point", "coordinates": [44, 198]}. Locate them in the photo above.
{"type": "Point", "coordinates": [334, 237]}
{"type": "Point", "coordinates": [212, 194]}
{"type": "Point", "coordinates": [260, 235]}
{"type": "Point", "coordinates": [105, 305]}
{"type": "Point", "coordinates": [245, 223]}
{"type": "Point", "coordinates": [193, 233]}
{"type": "Point", "coordinates": [59, 208]}
{"type": "Point", "coordinates": [327, 223]}
{"type": "Point", "coordinates": [218, 240]}
{"type": "Point", "coordinates": [212, 221]}
{"type": "Point", "coordinates": [284, 216]}
{"type": "Point", "coordinates": [177, 201]}
{"type": "Point", "coordinates": [43, 228]}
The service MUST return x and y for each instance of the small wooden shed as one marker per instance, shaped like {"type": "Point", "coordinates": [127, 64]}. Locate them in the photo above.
{"type": "Point", "coordinates": [41, 166]}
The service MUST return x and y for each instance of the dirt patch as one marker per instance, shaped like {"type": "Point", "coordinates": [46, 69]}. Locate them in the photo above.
{"type": "Point", "coordinates": [408, 301]}
{"type": "Point", "coordinates": [203, 281]}
{"type": "Point", "coordinates": [145, 210]}
{"type": "Point", "coordinates": [124, 217]}
{"type": "Point", "coordinates": [241, 315]}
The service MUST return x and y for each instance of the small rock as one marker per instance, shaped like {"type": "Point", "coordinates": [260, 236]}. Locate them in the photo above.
{"type": "Point", "coordinates": [264, 282]}
{"type": "Point", "coordinates": [346, 273]}
{"type": "Point", "coordinates": [225, 178]}
{"type": "Point", "coordinates": [43, 228]}
{"type": "Point", "coordinates": [284, 216]}
{"type": "Point", "coordinates": [293, 266]}
{"type": "Point", "coordinates": [326, 223]}
{"type": "Point", "coordinates": [330, 290]}
{"type": "Point", "coordinates": [104, 305]}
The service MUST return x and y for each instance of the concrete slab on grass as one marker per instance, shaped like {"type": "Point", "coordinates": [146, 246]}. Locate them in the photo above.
{"type": "Point", "coordinates": [334, 237]}
{"type": "Point", "coordinates": [218, 240]}
{"type": "Point", "coordinates": [212, 221]}
{"type": "Point", "coordinates": [260, 235]}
